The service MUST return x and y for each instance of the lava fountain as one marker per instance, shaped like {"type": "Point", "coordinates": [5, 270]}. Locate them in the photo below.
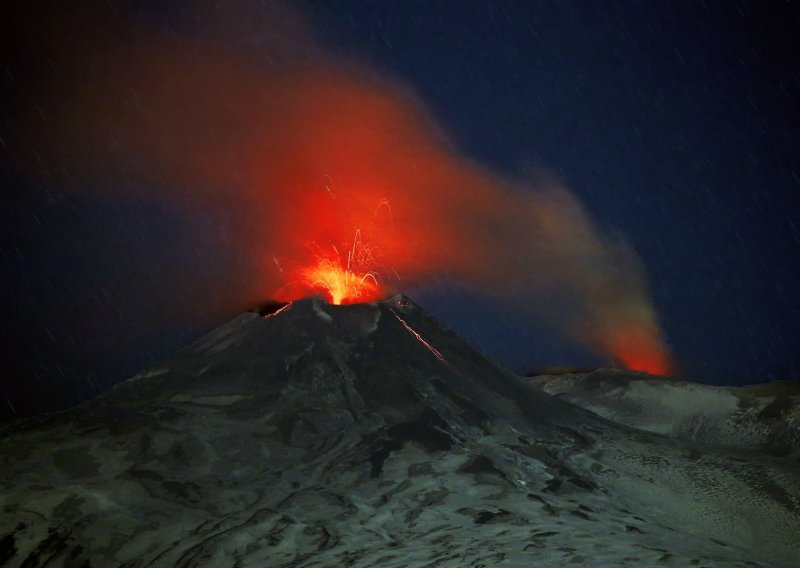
{"type": "Point", "coordinates": [345, 280]}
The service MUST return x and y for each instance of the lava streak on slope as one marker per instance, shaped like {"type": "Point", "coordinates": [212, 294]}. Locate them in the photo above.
{"type": "Point", "coordinates": [418, 337]}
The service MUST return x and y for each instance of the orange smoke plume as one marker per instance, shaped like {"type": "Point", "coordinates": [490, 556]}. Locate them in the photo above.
{"type": "Point", "coordinates": [337, 182]}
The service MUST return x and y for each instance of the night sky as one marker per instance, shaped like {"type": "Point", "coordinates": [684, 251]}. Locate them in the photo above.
{"type": "Point", "coordinates": [676, 125]}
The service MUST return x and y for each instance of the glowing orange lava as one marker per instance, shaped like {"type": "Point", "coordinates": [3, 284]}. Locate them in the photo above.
{"type": "Point", "coordinates": [653, 363]}
{"type": "Point", "coordinates": [345, 281]}
{"type": "Point", "coordinates": [641, 353]}
{"type": "Point", "coordinates": [419, 338]}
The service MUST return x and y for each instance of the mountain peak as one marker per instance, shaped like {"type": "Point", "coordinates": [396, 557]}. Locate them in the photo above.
{"type": "Point", "coordinates": [369, 434]}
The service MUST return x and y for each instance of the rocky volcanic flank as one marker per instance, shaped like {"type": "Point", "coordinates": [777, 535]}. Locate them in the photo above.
{"type": "Point", "coordinates": [370, 435]}
{"type": "Point", "coordinates": [763, 417]}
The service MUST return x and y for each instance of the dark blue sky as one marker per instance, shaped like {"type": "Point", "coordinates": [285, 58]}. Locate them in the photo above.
{"type": "Point", "coordinates": [675, 123]}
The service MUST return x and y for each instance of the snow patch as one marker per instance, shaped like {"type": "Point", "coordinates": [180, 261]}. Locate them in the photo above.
{"type": "Point", "coordinates": [320, 312]}
{"type": "Point", "coordinates": [224, 337]}
{"type": "Point", "coordinates": [149, 373]}
{"type": "Point", "coordinates": [220, 400]}
{"type": "Point", "coordinates": [373, 325]}
{"type": "Point", "coordinates": [292, 359]}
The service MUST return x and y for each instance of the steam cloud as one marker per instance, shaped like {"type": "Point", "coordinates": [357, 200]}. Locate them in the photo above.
{"type": "Point", "coordinates": [291, 148]}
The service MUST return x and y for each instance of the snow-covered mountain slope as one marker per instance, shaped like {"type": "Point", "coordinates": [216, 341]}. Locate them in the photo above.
{"type": "Point", "coordinates": [763, 418]}
{"type": "Point", "coordinates": [369, 435]}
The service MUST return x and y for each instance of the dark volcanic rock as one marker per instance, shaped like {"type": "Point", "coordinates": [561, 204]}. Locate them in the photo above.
{"type": "Point", "coordinates": [369, 435]}
{"type": "Point", "coordinates": [764, 418]}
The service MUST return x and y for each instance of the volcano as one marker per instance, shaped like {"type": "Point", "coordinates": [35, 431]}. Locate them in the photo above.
{"type": "Point", "coordinates": [368, 434]}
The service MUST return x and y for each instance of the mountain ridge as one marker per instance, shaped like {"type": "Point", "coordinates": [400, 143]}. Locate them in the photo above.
{"type": "Point", "coordinates": [763, 418]}
{"type": "Point", "coordinates": [369, 434]}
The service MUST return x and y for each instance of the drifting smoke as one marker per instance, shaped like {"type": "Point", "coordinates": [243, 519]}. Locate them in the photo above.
{"type": "Point", "coordinates": [333, 179]}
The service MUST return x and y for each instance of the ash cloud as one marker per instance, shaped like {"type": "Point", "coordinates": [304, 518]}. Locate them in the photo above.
{"type": "Point", "coordinates": [277, 147]}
